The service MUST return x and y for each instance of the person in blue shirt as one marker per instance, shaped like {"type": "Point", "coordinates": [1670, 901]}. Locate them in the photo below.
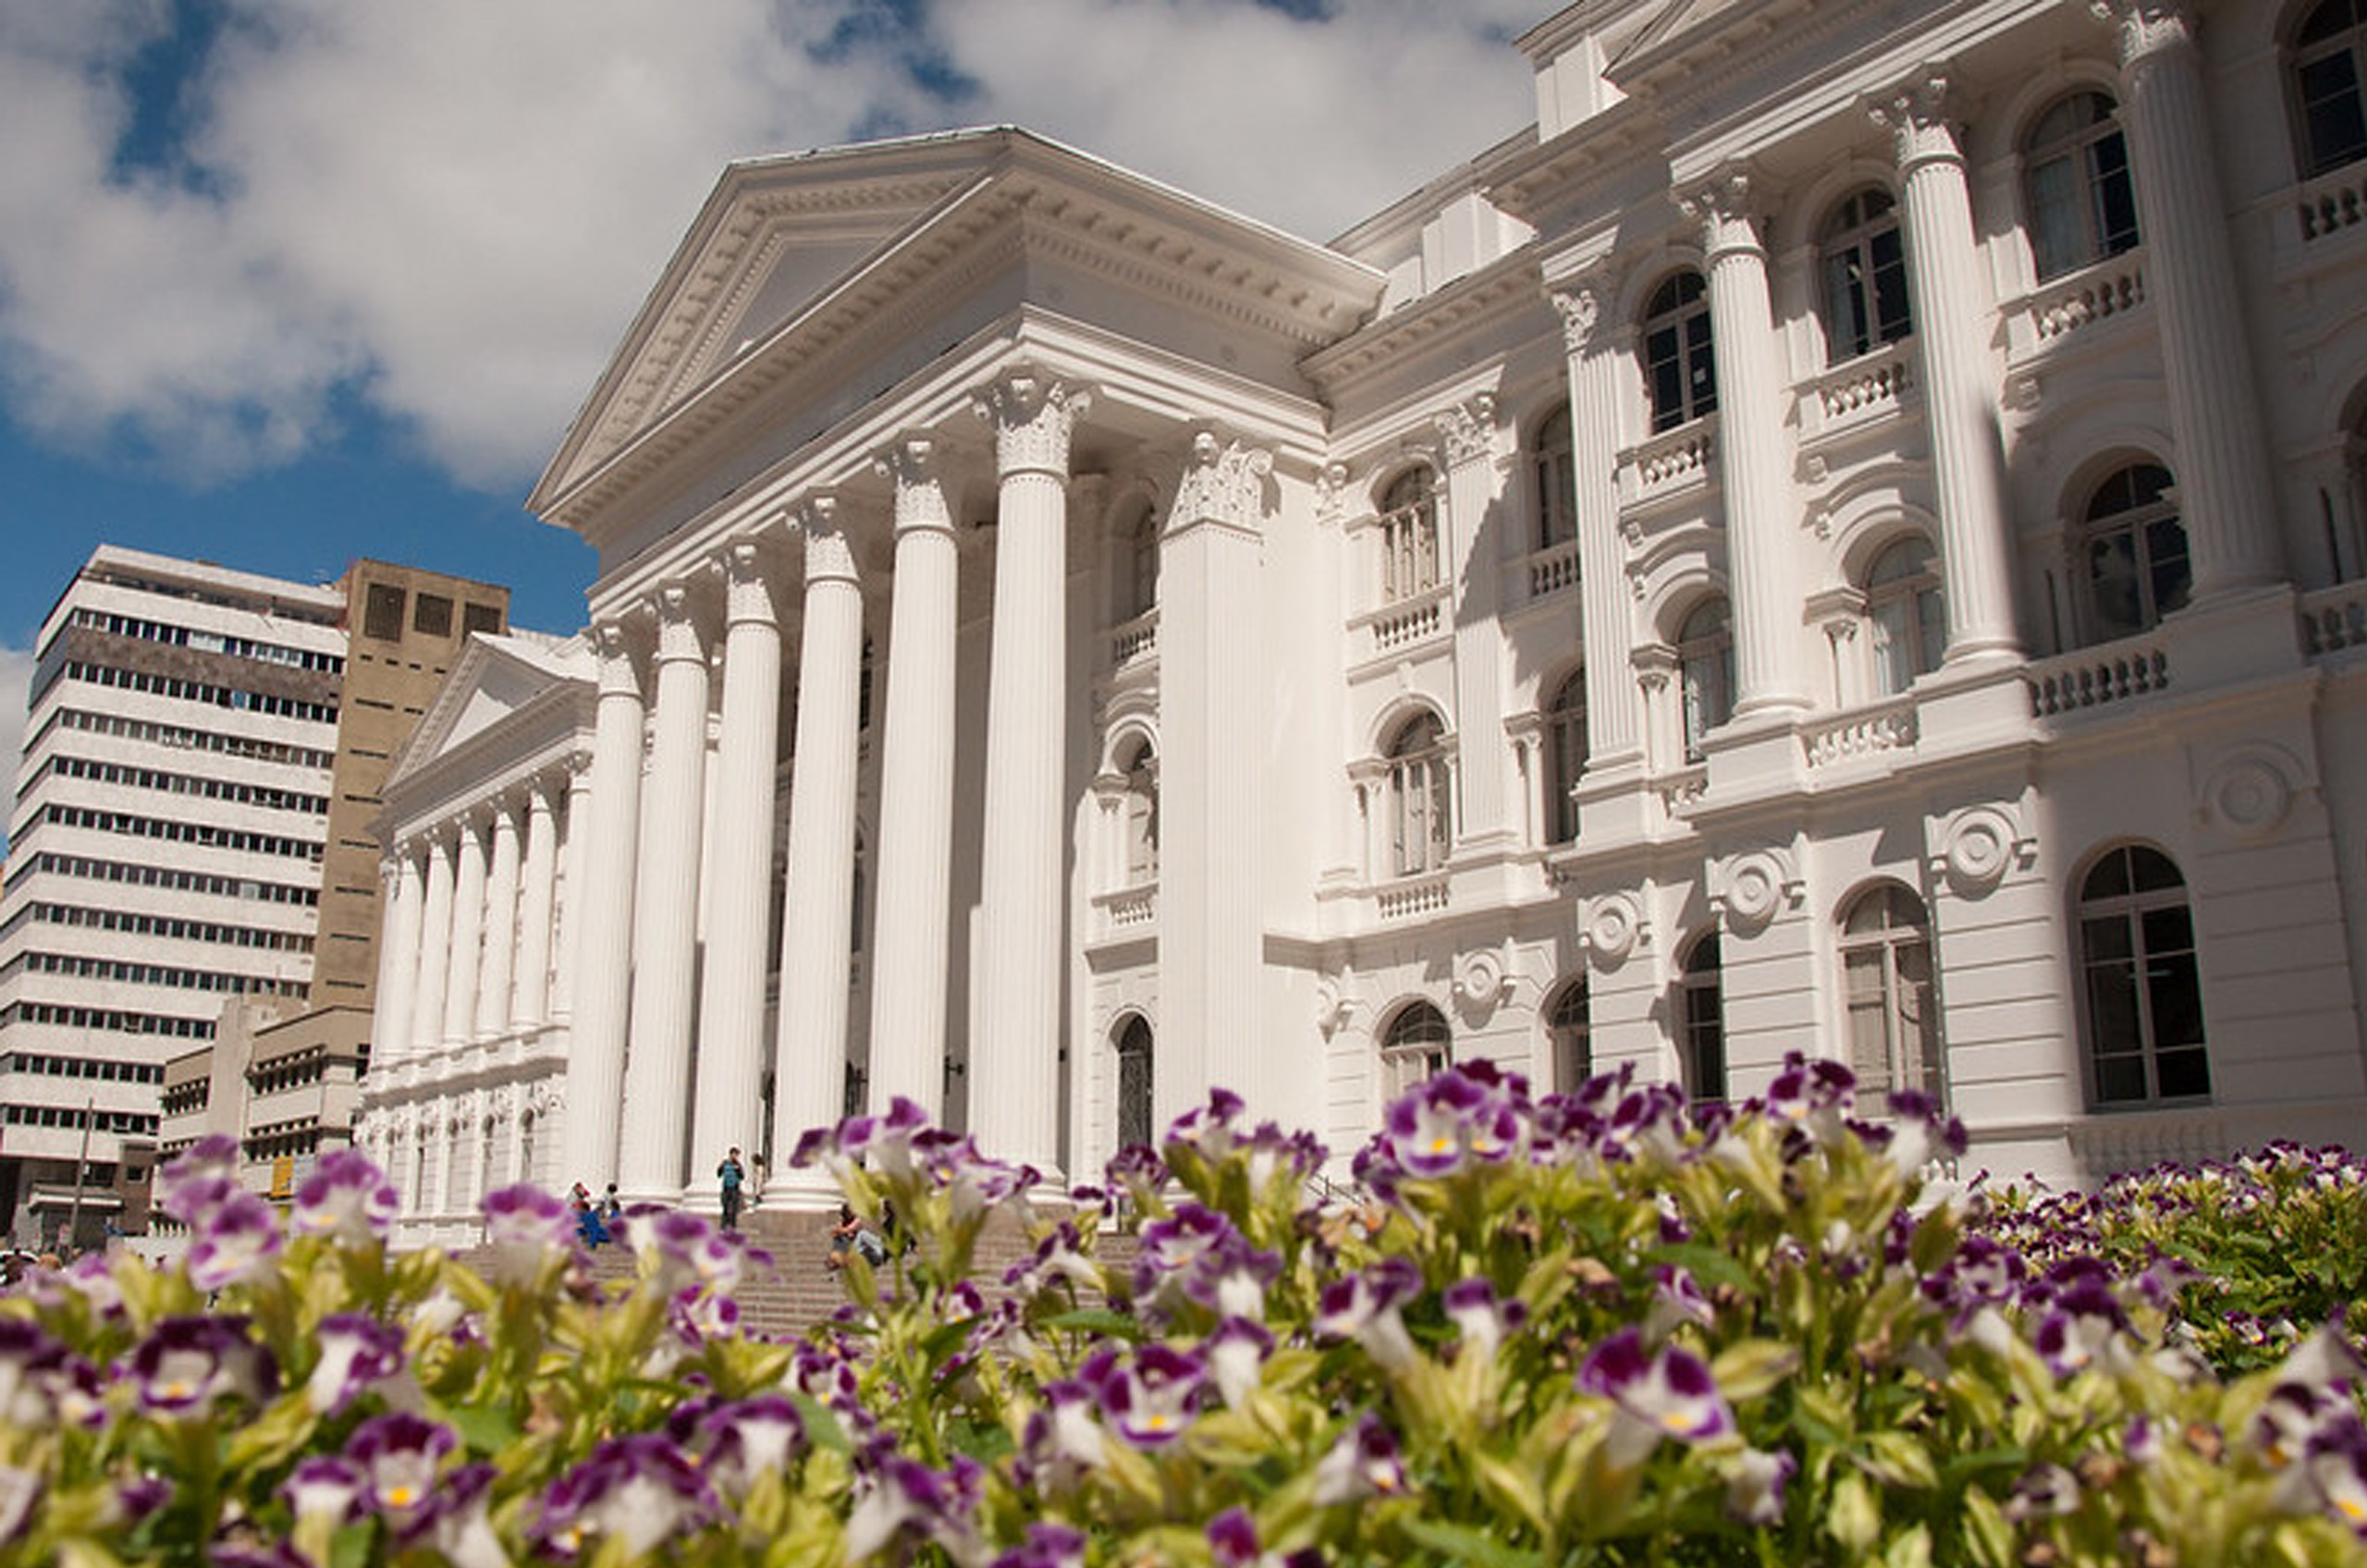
{"type": "Point", "coordinates": [732, 1177]}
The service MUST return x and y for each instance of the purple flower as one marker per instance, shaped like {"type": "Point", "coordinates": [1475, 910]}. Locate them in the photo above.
{"type": "Point", "coordinates": [1667, 1395]}
{"type": "Point", "coordinates": [1150, 1397]}
{"type": "Point", "coordinates": [1813, 1095]}
{"type": "Point", "coordinates": [1061, 1440]}
{"type": "Point", "coordinates": [2044, 1491]}
{"type": "Point", "coordinates": [527, 1228]}
{"type": "Point", "coordinates": [638, 1489]}
{"type": "Point", "coordinates": [2083, 1325]}
{"type": "Point", "coordinates": [194, 1181]}
{"type": "Point", "coordinates": [1363, 1308]}
{"type": "Point", "coordinates": [347, 1198]}
{"type": "Point", "coordinates": [1480, 1316]}
{"type": "Point", "coordinates": [1676, 1299]}
{"type": "Point", "coordinates": [2335, 1466]}
{"type": "Point", "coordinates": [1363, 1463]}
{"type": "Point", "coordinates": [455, 1524]}
{"type": "Point", "coordinates": [1236, 1355]}
{"type": "Point", "coordinates": [185, 1364]}
{"type": "Point", "coordinates": [752, 1438]}
{"type": "Point", "coordinates": [976, 1184]}
{"type": "Point", "coordinates": [399, 1454]}
{"type": "Point", "coordinates": [42, 1382]}
{"type": "Point", "coordinates": [1232, 1538]}
{"type": "Point", "coordinates": [239, 1242]}
{"type": "Point", "coordinates": [906, 1497]}
{"type": "Point", "coordinates": [1208, 1129]}
{"type": "Point", "coordinates": [1648, 1123]}
{"type": "Point", "coordinates": [884, 1141]}
{"type": "Point", "coordinates": [356, 1351]}
{"type": "Point", "coordinates": [324, 1488]}
{"type": "Point", "coordinates": [1049, 1544]}
{"type": "Point", "coordinates": [1462, 1115]}
{"type": "Point", "coordinates": [1919, 1130]}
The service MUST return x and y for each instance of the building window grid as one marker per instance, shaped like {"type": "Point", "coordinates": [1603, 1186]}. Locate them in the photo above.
{"type": "Point", "coordinates": [1565, 757]}
{"type": "Point", "coordinates": [2142, 982]}
{"type": "Point", "coordinates": [2133, 553]}
{"type": "Point", "coordinates": [1553, 480]}
{"type": "Point", "coordinates": [179, 737]}
{"type": "Point", "coordinates": [146, 630]}
{"type": "Point", "coordinates": [1905, 613]}
{"type": "Point", "coordinates": [1134, 1083]}
{"type": "Point", "coordinates": [1862, 260]}
{"type": "Point", "coordinates": [1892, 1023]}
{"type": "Point", "coordinates": [173, 877]}
{"type": "Point", "coordinates": [1705, 654]}
{"type": "Point", "coordinates": [2082, 205]}
{"type": "Point", "coordinates": [1569, 1026]}
{"type": "Point", "coordinates": [1702, 1046]}
{"type": "Point", "coordinates": [1680, 362]}
{"type": "Point", "coordinates": [1420, 814]}
{"type": "Point", "coordinates": [2328, 50]}
{"type": "Point", "coordinates": [264, 796]}
{"type": "Point", "coordinates": [180, 690]}
{"type": "Point", "coordinates": [1417, 1047]}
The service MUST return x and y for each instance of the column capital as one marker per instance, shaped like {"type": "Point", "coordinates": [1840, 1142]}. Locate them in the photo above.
{"type": "Point", "coordinates": [1331, 492]}
{"type": "Point", "coordinates": [617, 649]}
{"type": "Point", "coordinates": [1468, 428]}
{"type": "Point", "coordinates": [1034, 415]}
{"type": "Point", "coordinates": [2146, 29]}
{"type": "Point", "coordinates": [819, 522]}
{"type": "Point", "coordinates": [680, 636]}
{"type": "Point", "coordinates": [1913, 112]}
{"type": "Point", "coordinates": [915, 462]}
{"type": "Point", "coordinates": [1223, 482]}
{"type": "Point", "coordinates": [748, 568]}
{"type": "Point", "coordinates": [1578, 299]}
{"type": "Point", "coordinates": [1720, 204]}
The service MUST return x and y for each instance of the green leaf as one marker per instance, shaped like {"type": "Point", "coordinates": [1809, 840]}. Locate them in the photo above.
{"type": "Point", "coordinates": [1898, 1460]}
{"type": "Point", "coordinates": [1098, 1320]}
{"type": "Point", "coordinates": [1912, 1550]}
{"type": "Point", "coordinates": [822, 1429]}
{"type": "Point", "coordinates": [1709, 1266]}
{"type": "Point", "coordinates": [1461, 1543]}
{"type": "Point", "coordinates": [1753, 1369]}
{"type": "Point", "coordinates": [486, 1429]}
{"type": "Point", "coordinates": [1855, 1518]}
{"type": "Point", "coordinates": [1987, 1535]}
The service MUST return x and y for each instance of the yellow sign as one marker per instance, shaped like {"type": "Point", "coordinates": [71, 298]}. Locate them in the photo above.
{"type": "Point", "coordinates": [283, 1176]}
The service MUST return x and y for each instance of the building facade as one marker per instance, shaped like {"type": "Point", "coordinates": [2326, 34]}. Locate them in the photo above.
{"type": "Point", "coordinates": [1844, 535]}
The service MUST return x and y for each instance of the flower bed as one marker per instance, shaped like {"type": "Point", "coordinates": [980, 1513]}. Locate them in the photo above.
{"type": "Point", "coordinates": [1598, 1328]}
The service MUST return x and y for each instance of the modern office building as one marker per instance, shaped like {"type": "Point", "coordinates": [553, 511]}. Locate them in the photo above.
{"type": "Point", "coordinates": [195, 842]}
{"type": "Point", "coordinates": [1845, 535]}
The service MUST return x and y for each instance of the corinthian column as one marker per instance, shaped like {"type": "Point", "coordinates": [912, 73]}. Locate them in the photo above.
{"type": "Point", "coordinates": [467, 934]}
{"type": "Point", "coordinates": [530, 996]}
{"type": "Point", "coordinates": [1212, 711]}
{"type": "Point", "coordinates": [915, 850]}
{"type": "Point", "coordinates": [398, 958]}
{"type": "Point", "coordinates": [1596, 362]}
{"type": "Point", "coordinates": [1752, 464]}
{"type": "Point", "coordinates": [501, 925]}
{"type": "Point", "coordinates": [665, 938]}
{"type": "Point", "coordinates": [435, 950]}
{"type": "Point", "coordinates": [811, 1053]}
{"type": "Point", "coordinates": [1960, 407]}
{"type": "Point", "coordinates": [2225, 497]}
{"type": "Point", "coordinates": [729, 1111]}
{"type": "Point", "coordinates": [1015, 1049]}
{"type": "Point", "coordinates": [602, 908]}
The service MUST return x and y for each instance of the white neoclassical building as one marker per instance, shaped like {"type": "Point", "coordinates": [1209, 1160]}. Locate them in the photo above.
{"type": "Point", "coordinates": [1847, 535]}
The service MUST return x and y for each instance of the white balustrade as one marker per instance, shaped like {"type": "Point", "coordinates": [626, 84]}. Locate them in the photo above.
{"type": "Point", "coordinates": [1552, 570]}
{"type": "Point", "coordinates": [2095, 678]}
{"type": "Point", "coordinates": [2110, 288]}
{"type": "Point", "coordinates": [2334, 619]}
{"type": "Point", "coordinates": [1892, 727]}
{"type": "Point", "coordinates": [1669, 462]}
{"type": "Point", "coordinates": [1402, 900]}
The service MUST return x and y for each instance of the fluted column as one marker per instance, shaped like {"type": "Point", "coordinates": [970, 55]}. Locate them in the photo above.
{"type": "Point", "coordinates": [574, 857]}
{"type": "Point", "coordinates": [1614, 728]}
{"type": "Point", "coordinates": [1752, 463]}
{"type": "Point", "coordinates": [602, 908]}
{"type": "Point", "coordinates": [406, 890]}
{"type": "Point", "coordinates": [468, 932]}
{"type": "Point", "coordinates": [435, 950]}
{"type": "Point", "coordinates": [494, 980]}
{"type": "Point", "coordinates": [730, 1105]}
{"type": "Point", "coordinates": [665, 943]}
{"type": "Point", "coordinates": [915, 850]}
{"type": "Point", "coordinates": [1468, 430]}
{"type": "Point", "coordinates": [1213, 685]}
{"type": "Point", "coordinates": [810, 1055]}
{"type": "Point", "coordinates": [2224, 495]}
{"type": "Point", "coordinates": [531, 988]}
{"type": "Point", "coordinates": [1016, 1047]}
{"type": "Point", "coordinates": [1959, 399]}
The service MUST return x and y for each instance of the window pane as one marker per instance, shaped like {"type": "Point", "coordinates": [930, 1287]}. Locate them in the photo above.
{"type": "Point", "coordinates": [1845, 305]}
{"type": "Point", "coordinates": [2331, 111]}
{"type": "Point", "coordinates": [1891, 313]}
{"type": "Point", "coordinates": [2171, 575]}
{"type": "Point", "coordinates": [2120, 1079]}
{"type": "Point", "coordinates": [2183, 1073]}
{"type": "Point", "coordinates": [2149, 871]}
{"type": "Point", "coordinates": [2176, 991]}
{"type": "Point", "coordinates": [2168, 931]}
{"type": "Point", "coordinates": [1895, 645]}
{"type": "Point", "coordinates": [2112, 583]}
{"type": "Point", "coordinates": [2112, 1009]}
{"type": "Point", "coordinates": [2115, 198]}
{"type": "Point", "coordinates": [1701, 367]}
{"type": "Point", "coordinates": [2110, 878]}
{"type": "Point", "coordinates": [2105, 938]}
{"type": "Point", "coordinates": [2055, 241]}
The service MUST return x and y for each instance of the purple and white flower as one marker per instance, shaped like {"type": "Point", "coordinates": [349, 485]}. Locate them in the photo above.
{"type": "Point", "coordinates": [1755, 1482]}
{"type": "Point", "coordinates": [1236, 1355]}
{"type": "Point", "coordinates": [1481, 1316]}
{"type": "Point", "coordinates": [238, 1241]}
{"type": "Point", "coordinates": [1669, 1393]}
{"type": "Point", "coordinates": [904, 1497]}
{"type": "Point", "coordinates": [187, 1364]}
{"type": "Point", "coordinates": [356, 1351]}
{"type": "Point", "coordinates": [1150, 1397]}
{"type": "Point", "coordinates": [640, 1490]}
{"type": "Point", "coordinates": [1050, 1544]}
{"type": "Point", "coordinates": [2044, 1491]}
{"type": "Point", "coordinates": [324, 1488]}
{"type": "Point", "coordinates": [1468, 1114]}
{"type": "Point", "coordinates": [752, 1438]}
{"type": "Point", "coordinates": [196, 1180]}
{"type": "Point", "coordinates": [527, 1229]}
{"type": "Point", "coordinates": [1365, 1461]}
{"type": "Point", "coordinates": [399, 1454]}
{"type": "Point", "coordinates": [1364, 1306]}
{"type": "Point", "coordinates": [347, 1198]}
{"type": "Point", "coordinates": [1061, 1439]}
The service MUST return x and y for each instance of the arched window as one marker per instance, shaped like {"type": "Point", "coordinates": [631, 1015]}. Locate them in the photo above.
{"type": "Point", "coordinates": [1886, 985]}
{"type": "Point", "coordinates": [1416, 1046]}
{"type": "Point", "coordinates": [2328, 50]}
{"type": "Point", "coordinates": [1906, 612]}
{"type": "Point", "coordinates": [526, 1146]}
{"type": "Point", "coordinates": [1565, 757]}
{"type": "Point", "coordinates": [1420, 819]}
{"type": "Point", "coordinates": [1569, 1024]}
{"type": "Point", "coordinates": [2082, 207]}
{"type": "Point", "coordinates": [1864, 264]}
{"type": "Point", "coordinates": [2134, 550]}
{"type": "Point", "coordinates": [1705, 654]}
{"type": "Point", "coordinates": [1702, 1022]}
{"type": "Point", "coordinates": [1138, 593]}
{"type": "Point", "coordinates": [1141, 807]}
{"type": "Point", "coordinates": [1409, 535]}
{"type": "Point", "coordinates": [1135, 1082]}
{"type": "Point", "coordinates": [1553, 480]}
{"type": "Point", "coordinates": [2143, 988]}
{"type": "Point", "coordinates": [1680, 370]}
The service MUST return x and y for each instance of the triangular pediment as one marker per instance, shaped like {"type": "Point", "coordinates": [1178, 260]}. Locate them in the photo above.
{"type": "Point", "coordinates": [776, 235]}
{"type": "Point", "coordinates": [496, 679]}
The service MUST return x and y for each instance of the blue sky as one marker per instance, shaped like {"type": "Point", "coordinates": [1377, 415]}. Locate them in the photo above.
{"type": "Point", "coordinates": [284, 282]}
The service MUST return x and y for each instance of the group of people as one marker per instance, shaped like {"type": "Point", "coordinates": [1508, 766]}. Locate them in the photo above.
{"type": "Point", "coordinates": [852, 1236]}
{"type": "Point", "coordinates": [594, 1222]}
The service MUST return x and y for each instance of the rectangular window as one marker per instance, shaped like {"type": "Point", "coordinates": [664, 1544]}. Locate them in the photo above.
{"type": "Point", "coordinates": [481, 617]}
{"type": "Point", "coordinates": [382, 613]}
{"type": "Point", "coordinates": [432, 616]}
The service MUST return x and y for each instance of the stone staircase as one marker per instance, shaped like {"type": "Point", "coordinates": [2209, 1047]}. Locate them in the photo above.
{"type": "Point", "coordinates": [798, 1289]}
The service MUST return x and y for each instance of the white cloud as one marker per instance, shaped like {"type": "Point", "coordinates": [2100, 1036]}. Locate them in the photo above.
{"type": "Point", "coordinates": [16, 679]}
{"type": "Point", "coordinates": [451, 209]}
